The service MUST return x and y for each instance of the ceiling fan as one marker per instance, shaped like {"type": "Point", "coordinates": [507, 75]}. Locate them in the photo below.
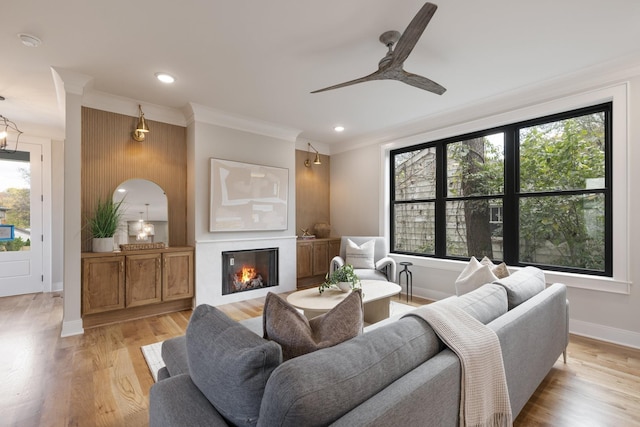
{"type": "Point", "coordinates": [390, 67]}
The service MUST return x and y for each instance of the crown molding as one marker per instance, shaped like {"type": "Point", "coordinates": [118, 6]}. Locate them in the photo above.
{"type": "Point", "coordinates": [203, 114]}
{"type": "Point", "coordinates": [127, 106]}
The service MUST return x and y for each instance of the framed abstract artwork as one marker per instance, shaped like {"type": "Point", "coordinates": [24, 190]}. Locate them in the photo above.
{"type": "Point", "coordinates": [247, 197]}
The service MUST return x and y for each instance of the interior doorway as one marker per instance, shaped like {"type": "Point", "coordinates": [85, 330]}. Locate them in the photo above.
{"type": "Point", "coordinates": [21, 230]}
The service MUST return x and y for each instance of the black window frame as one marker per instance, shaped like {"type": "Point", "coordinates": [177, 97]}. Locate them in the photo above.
{"type": "Point", "coordinates": [511, 194]}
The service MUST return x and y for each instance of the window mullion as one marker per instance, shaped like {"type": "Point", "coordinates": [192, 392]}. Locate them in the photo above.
{"type": "Point", "coordinates": [510, 200]}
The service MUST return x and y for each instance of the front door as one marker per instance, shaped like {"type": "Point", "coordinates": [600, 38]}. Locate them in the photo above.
{"type": "Point", "coordinates": [21, 221]}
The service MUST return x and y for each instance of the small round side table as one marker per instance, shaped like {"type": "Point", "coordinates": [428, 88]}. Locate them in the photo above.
{"type": "Point", "coordinates": [408, 278]}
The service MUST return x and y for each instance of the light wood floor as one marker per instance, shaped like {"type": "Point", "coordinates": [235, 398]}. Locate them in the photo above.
{"type": "Point", "coordinates": [101, 379]}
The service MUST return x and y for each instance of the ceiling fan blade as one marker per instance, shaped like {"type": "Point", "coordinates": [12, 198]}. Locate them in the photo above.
{"type": "Point", "coordinates": [413, 32]}
{"type": "Point", "coordinates": [372, 76]}
{"type": "Point", "coordinates": [422, 83]}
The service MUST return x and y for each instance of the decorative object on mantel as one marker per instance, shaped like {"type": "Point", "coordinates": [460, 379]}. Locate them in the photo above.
{"type": "Point", "coordinates": [344, 278]}
{"type": "Point", "coordinates": [7, 127]}
{"type": "Point", "coordinates": [316, 161]}
{"type": "Point", "coordinates": [322, 230]}
{"type": "Point", "coordinates": [104, 224]}
{"type": "Point", "coordinates": [306, 235]}
{"type": "Point", "coordinates": [141, 128]}
{"type": "Point", "coordinates": [141, 246]}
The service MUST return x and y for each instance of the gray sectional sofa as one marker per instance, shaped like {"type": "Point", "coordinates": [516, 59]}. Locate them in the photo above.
{"type": "Point", "coordinates": [397, 373]}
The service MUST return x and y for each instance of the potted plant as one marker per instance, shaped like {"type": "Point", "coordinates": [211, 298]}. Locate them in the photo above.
{"type": "Point", "coordinates": [104, 224]}
{"type": "Point", "coordinates": [344, 278]}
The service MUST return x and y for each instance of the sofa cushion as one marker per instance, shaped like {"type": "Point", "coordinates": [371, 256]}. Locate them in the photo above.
{"type": "Point", "coordinates": [174, 355]}
{"type": "Point", "coordinates": [284, 324]}
{"type": "Point", "coordinates": [361, 256]}
{"type": "Point", "coordinates": [319, 387]}
{"type": "Point", "coordinates": [229, 364]}
{"type": "Point", "coordinates": [485, 304]}
{"type": "Point", "coordinates": [522, 285]}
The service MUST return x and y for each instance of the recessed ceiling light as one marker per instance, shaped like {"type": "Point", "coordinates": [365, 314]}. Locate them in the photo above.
{"type": "Point", "coordinates": [29, 40]}
{"type": "Point", "coordinates": [165, 78]}
{"type": "Point", "coordinates": [338, 128]}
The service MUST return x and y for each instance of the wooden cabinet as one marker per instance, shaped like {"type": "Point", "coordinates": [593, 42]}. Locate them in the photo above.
{"type": "Point", "coordinates": [130, 284]}
{"type": "Point", "coordinates": [102, 284]}
{"type": "Point", "coordinates": [312, 259]}
{"type": "Point", "coordinates": [177, 275]}
{"type": "Point", "coordinates": [143, 283]}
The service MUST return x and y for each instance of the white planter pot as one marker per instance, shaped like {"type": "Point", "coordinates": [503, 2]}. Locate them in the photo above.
{"type": "Point", "coordinates": [344, 286]}
{"type": "Point", "coordinates": [102, 244]}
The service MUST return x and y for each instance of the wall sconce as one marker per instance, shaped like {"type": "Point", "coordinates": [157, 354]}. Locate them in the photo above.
{"type": "Point", "coordinates": [141, 128]}
{"type": "Point", "coordinates": [7, 126]}
{"type": "Point", "coordinates": [316, 161]}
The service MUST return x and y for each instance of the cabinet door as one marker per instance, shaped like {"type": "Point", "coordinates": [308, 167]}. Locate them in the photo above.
{"type": "Point", "coordinates": [334, 248]}
{"type": "Point", "coordinates": [304, 259]}
{"type": "Point", "coordinates": [144, 281]}
{"type": "Point", "coordinates": [102, 284]}
{"type": "Point", "coordinates": [177, 275]}
{"type": "Point", "coordinates": [320, 257]}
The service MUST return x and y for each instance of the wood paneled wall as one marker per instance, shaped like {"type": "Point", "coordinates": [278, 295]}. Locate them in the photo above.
{"type": "Point", "coordinates": [110, 156]}
{"type": "Point", "coordinates": [312, 192]}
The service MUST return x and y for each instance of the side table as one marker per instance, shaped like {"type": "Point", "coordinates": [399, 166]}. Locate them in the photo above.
{"type": "Point", "coordinates": [408, 278]}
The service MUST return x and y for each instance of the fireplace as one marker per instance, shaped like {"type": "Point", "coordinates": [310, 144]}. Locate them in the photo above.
{"type": "Point", "coordinates": [247, 270]}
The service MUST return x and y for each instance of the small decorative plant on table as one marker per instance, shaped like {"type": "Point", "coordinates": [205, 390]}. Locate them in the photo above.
{"type": "Point", "coordinates": [344, 278]}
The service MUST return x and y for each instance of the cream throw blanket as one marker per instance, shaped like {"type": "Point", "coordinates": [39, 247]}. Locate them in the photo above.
{"type": "Point", "coordinates": [484, 398]}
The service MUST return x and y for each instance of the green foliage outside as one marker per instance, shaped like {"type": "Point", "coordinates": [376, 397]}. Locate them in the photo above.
{"type": "Point", "coordinates": [564, 155]}
{"type": "Point", "coordinates": [14, 245]}
{"type": "Point", "coordinates": [17, 201]}
{"type": "Point", "coordinates": [554, 228]}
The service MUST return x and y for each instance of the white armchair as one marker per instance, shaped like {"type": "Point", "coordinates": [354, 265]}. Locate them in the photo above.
{"type": "Point", "coordinates": [384, 267]}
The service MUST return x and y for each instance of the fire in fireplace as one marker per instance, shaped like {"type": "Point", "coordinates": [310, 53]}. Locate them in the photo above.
{"type": "Point", "coordinates": [249, 269]}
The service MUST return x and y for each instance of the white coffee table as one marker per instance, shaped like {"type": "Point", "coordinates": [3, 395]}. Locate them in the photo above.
{"type": "Point", "coordinates": [376, 298]}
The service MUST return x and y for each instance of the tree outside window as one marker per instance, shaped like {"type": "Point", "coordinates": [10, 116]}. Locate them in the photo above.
{"type": "Point", "coordinates": [531, 193]}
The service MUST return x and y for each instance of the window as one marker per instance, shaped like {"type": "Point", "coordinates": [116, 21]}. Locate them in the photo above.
{"type": "Point", "coordinates": [529, 193]}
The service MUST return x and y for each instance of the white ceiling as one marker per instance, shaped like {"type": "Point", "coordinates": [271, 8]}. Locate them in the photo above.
{"type": "Point", "coordinates": [260, 59]}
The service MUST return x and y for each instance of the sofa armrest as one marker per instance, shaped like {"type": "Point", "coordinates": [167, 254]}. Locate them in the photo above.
{"type": "Point", "coordinates": [389, 265]}
{"type": "Point", "coordinates": [176, 401]}
{"type": "Point", "coordinates": [336, 263]}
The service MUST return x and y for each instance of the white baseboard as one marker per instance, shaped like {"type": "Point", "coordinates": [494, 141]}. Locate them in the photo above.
{"type": "Point", "coordinates": [56, 287]}
{"type": "Point", "coordinates": [605, 333]}
{"type": "Point", "coordinates": [72, 327]}
{"type": "Point", "coordinates": [427, 293]}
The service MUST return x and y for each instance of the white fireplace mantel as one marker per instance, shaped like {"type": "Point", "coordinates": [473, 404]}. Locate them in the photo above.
{"type": "Point", "coordinates": [209, 271]}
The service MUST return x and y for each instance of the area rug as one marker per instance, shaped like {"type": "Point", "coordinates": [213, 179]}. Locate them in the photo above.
{"type": "Point", "coordinates": [152, 352]}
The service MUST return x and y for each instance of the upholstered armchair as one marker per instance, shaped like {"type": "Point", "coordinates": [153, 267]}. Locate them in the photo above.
{"type": "Point", "coordinates": [369, 260]}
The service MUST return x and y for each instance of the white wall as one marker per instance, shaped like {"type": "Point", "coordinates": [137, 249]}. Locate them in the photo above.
{"type": "Point", "coordinates": [57, 214]}
{"type": "Point", "coordinates": [212, 135]}
{"type": "Point", "coordinates": [357, 208]}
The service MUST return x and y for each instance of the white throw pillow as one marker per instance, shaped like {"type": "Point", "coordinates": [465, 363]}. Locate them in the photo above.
{"type": "Point", "coordinates": [500, 271]}
{"type": "Point", "coordinates": [361, 256]}
{"type": "Point", "coordinates": [473, 276]}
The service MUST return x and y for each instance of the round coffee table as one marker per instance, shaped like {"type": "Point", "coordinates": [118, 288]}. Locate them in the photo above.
{"type": "Point", "coordinates": [376, 296]}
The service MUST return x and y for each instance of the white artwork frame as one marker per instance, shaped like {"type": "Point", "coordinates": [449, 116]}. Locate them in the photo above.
{"type": "Point", "coordinates": [248, 197]}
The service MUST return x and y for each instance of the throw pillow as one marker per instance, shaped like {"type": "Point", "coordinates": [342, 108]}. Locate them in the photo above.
{"type": "Point", "coordinates": [360, 256]}
{"type": "Point", "coordinates": [229, 364]}
{"type": "Point", "coordinates": [473, 276]}
{"type": "Point", "coordinates": [297, 335]}
{"type": "Point", "coordinates": [522, 285]}
{"type": "Point", "coordinates": [500, 270]}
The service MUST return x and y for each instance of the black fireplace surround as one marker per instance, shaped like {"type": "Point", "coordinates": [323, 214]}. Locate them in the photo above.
{"type": "Point", "coordinates": [250, 269]}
